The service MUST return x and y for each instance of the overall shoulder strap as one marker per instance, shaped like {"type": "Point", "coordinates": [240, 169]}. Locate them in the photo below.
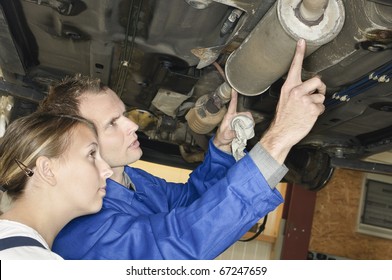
{"type": "Point", "coordinates": [18, 241]}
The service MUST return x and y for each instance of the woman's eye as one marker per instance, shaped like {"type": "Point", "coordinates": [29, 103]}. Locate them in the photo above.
{"type": "Point", "coordinates": [93, 154]}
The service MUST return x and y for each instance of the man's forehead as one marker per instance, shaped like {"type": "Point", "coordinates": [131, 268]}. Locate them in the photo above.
{"type": "Point", "coordinates": [101, 107]}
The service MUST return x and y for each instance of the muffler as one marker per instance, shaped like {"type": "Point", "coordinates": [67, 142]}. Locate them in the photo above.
{"type": "Point", "coordinates": [267, 52]}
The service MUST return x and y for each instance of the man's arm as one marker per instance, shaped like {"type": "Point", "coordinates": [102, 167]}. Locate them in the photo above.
{"type": "Point", "coordinates": [140, 225]}
{"type": "Point", "coordinates": [299, 106]}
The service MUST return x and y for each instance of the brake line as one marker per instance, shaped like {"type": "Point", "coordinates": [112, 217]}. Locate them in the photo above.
{"type": "Point", "coordinates": [381, 75]}
{"type": "Point", "coordinates": [126, 55]}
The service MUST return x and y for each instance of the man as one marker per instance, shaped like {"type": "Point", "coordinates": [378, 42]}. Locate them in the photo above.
{"type": "Point", "coordinates": [144, 217]}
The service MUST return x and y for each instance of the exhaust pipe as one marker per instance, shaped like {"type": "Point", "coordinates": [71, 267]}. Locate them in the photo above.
{"type": "Point", "coordinates": [209, 110]}
{"type": "Point", "coordinates": [266, 54]}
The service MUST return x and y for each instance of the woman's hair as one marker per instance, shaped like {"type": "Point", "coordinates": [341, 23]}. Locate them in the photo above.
{"type": "Point", "coordinates": [64, 97]}
{"type": "Point", "coordinates": [26, 139]}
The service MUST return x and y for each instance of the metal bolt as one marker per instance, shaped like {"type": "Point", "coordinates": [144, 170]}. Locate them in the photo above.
{"type": "Point", "coordinates": [339, 153]}
{"type": "Point", "coordinates": [383, 79]}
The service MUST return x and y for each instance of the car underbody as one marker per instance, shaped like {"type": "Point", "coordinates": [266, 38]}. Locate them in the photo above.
{"type": "Point", "coordinates": [173, 63]}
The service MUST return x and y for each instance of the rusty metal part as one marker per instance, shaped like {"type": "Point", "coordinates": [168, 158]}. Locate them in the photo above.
{"type": "Point", "coordinates": [144, 119]}
{"type": "Point", "coordinates": [201, 120]}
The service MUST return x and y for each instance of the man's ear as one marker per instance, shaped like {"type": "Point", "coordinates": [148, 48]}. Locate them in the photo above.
{"type": "Point", "coordinates": [44, 168]}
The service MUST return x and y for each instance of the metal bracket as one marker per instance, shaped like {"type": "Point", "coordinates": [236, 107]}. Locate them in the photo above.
{"type": "Point", "coordinates": [365, 166]}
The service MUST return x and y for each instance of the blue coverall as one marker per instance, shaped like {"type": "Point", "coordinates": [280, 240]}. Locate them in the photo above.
{"type": "Point", "coordinates": [220, 202]}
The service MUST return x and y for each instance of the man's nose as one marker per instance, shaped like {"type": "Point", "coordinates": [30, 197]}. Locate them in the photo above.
{"type": "Point", "coordinates": [131, 126]}
{"type": "Point", "coordinates": [105, 170]}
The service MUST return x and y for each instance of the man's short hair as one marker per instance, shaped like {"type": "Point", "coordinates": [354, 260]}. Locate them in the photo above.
{"type": "Point", "coordinates": [64, 96]}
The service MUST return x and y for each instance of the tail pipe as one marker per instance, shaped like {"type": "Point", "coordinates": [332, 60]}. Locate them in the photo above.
{"type": "Point", "coordinates": [266, 54]}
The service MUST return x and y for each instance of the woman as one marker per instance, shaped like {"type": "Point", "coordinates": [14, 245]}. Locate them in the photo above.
{"type": "Point", "coordinates": [51, 169]}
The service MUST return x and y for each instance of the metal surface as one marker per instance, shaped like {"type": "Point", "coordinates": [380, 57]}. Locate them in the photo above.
{"type": "Point", "coordinates": [10, 59]}
{"type": "Point", "coordinates": [21, 92]}
{"type": "Point", "coordinates": [312, 10]}
{"type": "Point", "coordinates": [364, 166]}
{"type": "Point", "coordinates": [142, 48]}
{"type": "Point", "coordinates": [363, 24]}
{"type": "Point", "coordinates": [252, 68]}
{"type": "Point", "coordinates": [199, 4]}
{"type": "Point", "coordinates": [298, 210]}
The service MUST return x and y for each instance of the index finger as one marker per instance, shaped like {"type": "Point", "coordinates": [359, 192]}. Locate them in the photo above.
{"type": "Point", "coordinates": [295, 71]}
{"type": "Point", "coordinates": [232, 109]}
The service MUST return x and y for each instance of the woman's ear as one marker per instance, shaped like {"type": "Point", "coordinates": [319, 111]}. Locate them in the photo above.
{"type": "Point", "coordinates": [44, 168]}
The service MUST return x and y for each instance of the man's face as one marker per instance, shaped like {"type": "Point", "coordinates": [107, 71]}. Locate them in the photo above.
{"type": "Point", "coordinates": [116, 133]}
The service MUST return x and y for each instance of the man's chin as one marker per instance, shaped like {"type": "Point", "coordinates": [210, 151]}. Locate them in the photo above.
{"type": "Point", "coordinates": [135, 157]}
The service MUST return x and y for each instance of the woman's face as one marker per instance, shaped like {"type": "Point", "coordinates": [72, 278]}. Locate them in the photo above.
{"type": "Point", "coordinates": [81, 173]}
